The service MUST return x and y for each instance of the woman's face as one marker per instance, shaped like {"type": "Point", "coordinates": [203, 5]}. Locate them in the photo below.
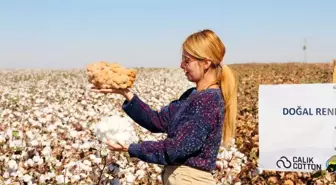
{"type": "Point", "coordinates": [191, 67]}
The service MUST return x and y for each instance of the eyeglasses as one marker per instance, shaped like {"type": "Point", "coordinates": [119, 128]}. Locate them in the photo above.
{"type": "Point", "coordinates": [187, 60]}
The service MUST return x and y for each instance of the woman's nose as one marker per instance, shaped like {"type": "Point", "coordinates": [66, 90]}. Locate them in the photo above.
{"type": "Point", "coordinates": [181, 65]}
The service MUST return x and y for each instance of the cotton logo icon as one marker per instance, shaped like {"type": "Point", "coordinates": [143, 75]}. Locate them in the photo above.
{"type": "Point", "coordinates": [283, 162]}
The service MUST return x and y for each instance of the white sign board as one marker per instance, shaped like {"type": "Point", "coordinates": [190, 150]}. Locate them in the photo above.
{"type": "Point", "coordinates": [297, 126]}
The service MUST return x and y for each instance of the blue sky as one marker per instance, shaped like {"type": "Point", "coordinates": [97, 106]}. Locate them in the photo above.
{"type": "Point", "coordinates": [73, 33]}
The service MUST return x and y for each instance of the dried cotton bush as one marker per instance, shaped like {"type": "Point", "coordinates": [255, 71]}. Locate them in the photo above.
{"type": "Point", "coordinates": [105, 75]}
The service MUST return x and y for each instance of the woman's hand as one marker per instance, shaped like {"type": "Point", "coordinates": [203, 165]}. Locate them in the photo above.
{"type": "Point", "coordinates": [124, 92]}
{"type": "Point", "coordinates": [116, 147]}
{"type": "Point", "coordinates": [115, 91]}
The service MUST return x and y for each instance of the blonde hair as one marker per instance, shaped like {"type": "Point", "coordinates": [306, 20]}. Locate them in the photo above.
{"type": "Point", "coordinates": [207, 45]}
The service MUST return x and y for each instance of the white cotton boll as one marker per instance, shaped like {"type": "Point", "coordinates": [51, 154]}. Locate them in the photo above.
{"type": "Point", "coordinates": [153, 176]}
{"type": "Point", "coordinates": [9, 181]}
{"type": "Point", "coordinates": [70, 164]}
{"type": "Point", "coordinates": [67, 147]}
{"type": "Point", "coordinates": [50, 175]}
{"type": "Point", "coordinates": [92, 157]}
{"type": "Point", "coordinates": [46, 151]}
{"type": "Point", "coordinates": [83, 175]}
{"type": "Point", "coordinates": [61, 179]}
{"type": "Point", "coordinates": [75, 178]}
{"type": "Point", "coordinates": [97, 160]}
{"type": "Point", "coordinates": [29, 163]}
{"type": "Point", "coordinates": [2, 158]}
{"type": "Point", "coordinates": [58, 122]}
{"type": "Point", "coordinates": [239, 155]}
{"type": "Point", "coordinates": [68, 174]}
{"type": "Point", "coordinates": [14, 174]}
{"type": "Point", "coordinates": [229, 179]}
{"type": "Point", "coordinates": [122, 138]}
{"type": "Point", "coordinates": [37, 113]}
{"type": "Point", "coordinates": [75, 145]}
{"type": "Point", "coordinates": [86, 168]}
{"type": "Point", "coordinates": [9, 134]}
{"type": "Point", "coordinates": [85, 146]}
{"type": "Point", "coordinates": [104, 152]}
{"type": "Point", "coordinates": [74, 134]}
{"type": "Point", "coordinates": [30, 134]}
{"type": "Point", "coordinates": [43, 178]}
{"type": "Point", "coordinates": [236, 168]}
{"type": "Point", "coordinates": [2, 137]}
{"type": "Point", "coordinates": [130, 178]}
{"type": "Point", "coordinates": [227, 155]}
{"type": "Point", "coordinates": [15, 143]}
{"type": "Point", "coordinates": [36, 158]}
{"type": "Point", "coordinates": [46, 143]}
{"type": "Point", "coordinates": [116, 129]}
{"type": "Point", "coordinates": [12, 165]}
{"type": "Point", "coordinates": [233, 149]}
{"type": "Point", "coordinates": [40, 161]}
{"type": "Point", "coordinates": [54, 135]}
{"type": "Point", "coordinates": [87, 162]}
{"type": "Point", "coordinates": [51, 128]}
{"type": "Point", "coordinates": [225, 164]}
{"type": "Point", "coordinates": [27, 178]}
{"type": "Point", "coordinates": [58, 163]}
{"type": "Point", "coordinates": [102, 126]}
{"type": "Point", "coordinates": [6, 175]}
{"type": "Point", "coordinates": [15, 124]}
{"type": "Point", "coordinates": [91, 113]}
{"type": "Point", "coordinates": [131, 169]}
{"type": "Point", "coordinates": [15, 156]}
{"type": "Point", "coordinates": [42, 120]}
{"type": "Point", "coordinates": [63, 143]}
{"type": "Point", "coordinates": [34, 142]}
{"type": "Point", "coordinates": [142, 165]}
{"type": "Point", "coordinates": [140, 174]}
{"type": "Point", "coordinates": [157, 169]}
{"type": "Point", "coordinates": [20, 174]}
{"type": "Point", "coordinates": [159, 178]}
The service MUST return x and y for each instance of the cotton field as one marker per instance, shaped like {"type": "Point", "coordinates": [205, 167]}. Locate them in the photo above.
{"type": "Point", "coordinates": [49, 121]}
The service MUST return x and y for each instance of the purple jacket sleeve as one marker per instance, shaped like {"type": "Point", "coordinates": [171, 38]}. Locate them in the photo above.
{"type": "Point", "coordinates": [194, 128]}
{"type": "Point", "coordinates": [141, 113]}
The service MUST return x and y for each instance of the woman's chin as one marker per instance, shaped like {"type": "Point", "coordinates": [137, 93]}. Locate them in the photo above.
{"type": "Point", "coordinates": [190, 79]}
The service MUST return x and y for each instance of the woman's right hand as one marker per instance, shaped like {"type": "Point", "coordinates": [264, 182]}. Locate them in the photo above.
{"type": "Point", "coordinates": [106, 91]}
{"type": "Point", "coordinates": [124, 92]}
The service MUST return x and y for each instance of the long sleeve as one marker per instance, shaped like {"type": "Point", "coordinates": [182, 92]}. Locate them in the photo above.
{"type": "Point", "coordinates": [141, 113]}
{"type": "Point", "coordinates": [194, 127]}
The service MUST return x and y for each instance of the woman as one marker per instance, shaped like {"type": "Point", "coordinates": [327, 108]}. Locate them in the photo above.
{"type": "Point", "coordinates": [197, 123]}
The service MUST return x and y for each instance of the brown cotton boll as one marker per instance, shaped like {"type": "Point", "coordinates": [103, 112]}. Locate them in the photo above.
{"type": "Point", "coordinates": [129, 84]}
{"type": "Point", "coordinates": [114, 65]}
{"type": "Point", "coordinates": [122, 79]}
{"type": "Point", "coordinates": [101, 80]}
{"type": "Point", "coordinates": [115, 86]}
{"type": "Point", "coordinates": [123, 86]}
{"type": "Point", "coordinates": [110, 81]}
{"type": "Point", "coordinates": [131, 73]}
{"type": "Point", "coordinates": [105, 86]}
{"type": "Point", "coordinates": [110, 75]}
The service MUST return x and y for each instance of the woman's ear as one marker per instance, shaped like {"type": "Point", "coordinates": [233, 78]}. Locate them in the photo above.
{"type": "Point", "coordinates": [207, 64]}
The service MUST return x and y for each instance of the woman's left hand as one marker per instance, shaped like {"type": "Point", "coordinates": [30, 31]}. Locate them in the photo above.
{"type": "Point", "coordinates": [116, 147]}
